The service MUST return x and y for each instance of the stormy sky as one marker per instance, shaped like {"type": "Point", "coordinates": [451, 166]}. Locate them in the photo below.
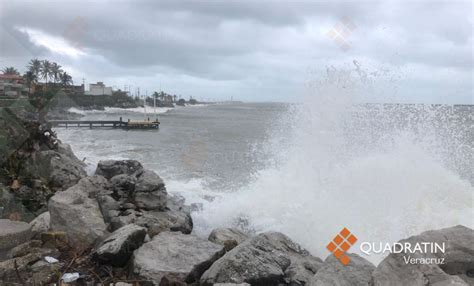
{"type": "Point", "coordinates": [413, 51]}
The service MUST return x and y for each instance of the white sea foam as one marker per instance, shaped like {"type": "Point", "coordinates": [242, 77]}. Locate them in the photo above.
{"type": "Point", "coordinates": [384, 181]}
{"type": "Point", "coordinates": [116, 110]}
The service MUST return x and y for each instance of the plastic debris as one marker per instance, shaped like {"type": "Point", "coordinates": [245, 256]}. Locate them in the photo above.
{"type": "Point", "coordinates": [70, 277]}
{"type": "Point", "coordinates": [50, 259]}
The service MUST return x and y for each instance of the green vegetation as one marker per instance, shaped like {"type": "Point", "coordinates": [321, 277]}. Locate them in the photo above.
{"type": "Point", "coordinates": [10, 70]}
{"type": "Point", "coordinates": [49, 85]}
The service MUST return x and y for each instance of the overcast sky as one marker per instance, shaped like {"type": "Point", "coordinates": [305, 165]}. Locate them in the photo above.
{"type": "Point", "coordinates": [415, 51]}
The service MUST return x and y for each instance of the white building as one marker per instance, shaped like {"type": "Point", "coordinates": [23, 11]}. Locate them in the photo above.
{"type": "Point", "coordinates": [99, 88]}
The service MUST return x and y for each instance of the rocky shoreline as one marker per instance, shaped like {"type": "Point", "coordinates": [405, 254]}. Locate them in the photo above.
{"type": "Point", "coordinates": [120, 226]}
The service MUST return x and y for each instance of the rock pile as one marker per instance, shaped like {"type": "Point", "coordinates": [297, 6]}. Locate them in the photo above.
{"type": "Point", "coordinates": [121, 224]}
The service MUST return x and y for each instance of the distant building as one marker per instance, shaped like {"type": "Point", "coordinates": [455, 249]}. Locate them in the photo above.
{"type": "Point", "coordinates": [99, 88]}
{"type": "Point", "coordinates": [168, 99]}
{"type": "Point", "coordinates": [12, 85]}
{"type": "Point", "coordinates": [75, 88]}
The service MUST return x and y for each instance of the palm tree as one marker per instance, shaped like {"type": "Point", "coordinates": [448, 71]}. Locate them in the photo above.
{"type": "Point", "coordinates": [56, 72]}
{"type": "Point", "coordinates": [10, 71]}
{"type": "Point", "coordinates": [65, 79]}
{"type": "Point", "coordinates": [46, 71]}
{"type": "Point", "coordinates": [30, 79]}
{"type": "Point", "coordinates": [35, 67]}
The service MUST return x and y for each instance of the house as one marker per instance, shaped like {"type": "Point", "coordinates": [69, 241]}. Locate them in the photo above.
{"type": "Point", "coordinates": [168, 99]}
{"type": "Point", "coordinates": [12, 85]}
{"type": "Point", "coordinates": [99, 88]}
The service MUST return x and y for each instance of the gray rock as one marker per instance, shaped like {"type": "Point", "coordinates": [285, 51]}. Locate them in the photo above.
{"type": "Point", "coordinates": [43, 273]}
{"type": "Point", "coordinates": [176, 256]}
{"type": "Point", "coordinates": [60, 168]}
{"type": "Point", "coordinates": [357, 273]}
{"type": "Point", "coordinates": [29, 269]}
{"type": "Point", "coordinates": [111, 168]}
{"type": "Point", "coordinates": [76, 212]}
{"type": "Point", "coordinates": [458, 267]}
{"type": "Point", "coordinates": [302, 270]}
{"type": "Point", "coordinates": [149, 181]}
{"type": "Point", "coordinates": [9, 269]}
{"type": "Point", "coordinates": [117, 248]}
{"type": "Point", "coordinates": [259, 260]}
{"type": "Point", "coordinates": [108, 206]}
{"type": "Point", "coordinates": [13, 233]}
{"type": "Point", "coordinates": [221, 235]}
{"type": "Point", "coordinates": [24, 248]}
{"type": "Point", "coordinates": [41, 223]}
{"type": "Point", "coordinates": [124, 184]}
{"type": "Point", "coordinates": [151, 200]}
{"type": "Point", "coordinates": [167, 220]}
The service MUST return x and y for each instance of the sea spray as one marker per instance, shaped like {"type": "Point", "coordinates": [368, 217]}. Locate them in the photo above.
{"type": "Point", "coordinates": [384, 171]}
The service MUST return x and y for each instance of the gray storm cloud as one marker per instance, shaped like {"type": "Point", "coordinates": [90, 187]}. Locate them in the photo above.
{"type": "Point", "coordinates": [260, 51]}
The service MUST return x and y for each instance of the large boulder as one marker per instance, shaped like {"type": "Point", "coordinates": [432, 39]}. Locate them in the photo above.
{"type": "Point", "coordinates": [221, 235]}
{"type": "Point", "coordinates": [117, 248]}
{"type": "Point", "coordinates": [76, 212]}
{"type": "Point", "coordinates": [454, 267]}
{"type": "Point", "coordinates": [41, 223]}
{"type": "Point", "coordinates": [174, 255]}
{"type": "Point", "coordinates": [150, 192]}
{"type": "Point", "coordinates": [175, 217]}
{"type": "Point", "coordinates": [357, 273]}
{"type": "Point", "coordinates": [60, 168]}
{"type": "Point", "coordinates": [13, 233]}
{"type": "Point", "coordinates": [263, 260]}
{"type": "Point", "coordinates": [111, 168]}
{"type": "Point", "coordinates": [149, 181]}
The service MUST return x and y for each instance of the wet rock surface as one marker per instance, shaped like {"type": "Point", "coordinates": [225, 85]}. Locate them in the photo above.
{"type": "Point", "coordinates": [60, 168]}
{"type": "Point", "coordinates": [332, 272]}
{"type": "Point", "coordinates": [41, 223]}
{"type": "Point", "coordinates": [175, 255]}
{"type": "Point", "coordinates": [111, 168]}
{"type": "Point", "coordinates": [457, 267]}
{"type": "Point", "coordinates": [117, 248]}
{"type": "Point", "coordinates": [13, 233]}
{"type": "Point", "coordinates": [221, 235]}
{"type": "Point", "coordinates": [76, 212]}
{"type": "Point", "coordinates": [260, 260]}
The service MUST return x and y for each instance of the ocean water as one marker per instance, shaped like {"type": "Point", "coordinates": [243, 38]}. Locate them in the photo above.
{"type": "Point", "coordinates": [384, 171]}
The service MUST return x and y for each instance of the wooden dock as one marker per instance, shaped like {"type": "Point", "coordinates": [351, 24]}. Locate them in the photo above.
{"type": "Point", "coordinates": [145, 124]}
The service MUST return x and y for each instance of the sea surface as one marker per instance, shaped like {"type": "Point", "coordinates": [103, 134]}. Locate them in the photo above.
{"type": "Point", "coordinates": [385, 171]}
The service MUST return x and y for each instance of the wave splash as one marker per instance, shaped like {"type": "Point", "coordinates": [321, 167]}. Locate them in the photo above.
{"type": "Point", "coordinates": [383, 171]}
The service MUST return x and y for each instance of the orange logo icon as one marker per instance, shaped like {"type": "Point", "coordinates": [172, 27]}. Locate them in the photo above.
{"type": "Point", "coordinates": [340, 244]}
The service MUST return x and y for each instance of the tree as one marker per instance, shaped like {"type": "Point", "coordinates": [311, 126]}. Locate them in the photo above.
{"type": "Point", "coordinates": [35, 67]}
{"type": "Point", "coordinates": [30, 78]}
{"type": "Point", "coordinates": [46, 71]}
{"type": "Point", "coordinates": [65, 79]}
{"type": "Point", "coordinates": [10, 71]}
{"type": "Point", "coordinates": [56, 72]}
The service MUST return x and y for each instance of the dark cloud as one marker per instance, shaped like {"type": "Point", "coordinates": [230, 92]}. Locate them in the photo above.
{"type": "Point", "coordinates": [218, 48]}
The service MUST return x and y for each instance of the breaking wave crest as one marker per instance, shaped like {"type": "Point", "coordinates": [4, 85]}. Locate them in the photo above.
{"type": "Point", "coordinates": [385, 171]}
